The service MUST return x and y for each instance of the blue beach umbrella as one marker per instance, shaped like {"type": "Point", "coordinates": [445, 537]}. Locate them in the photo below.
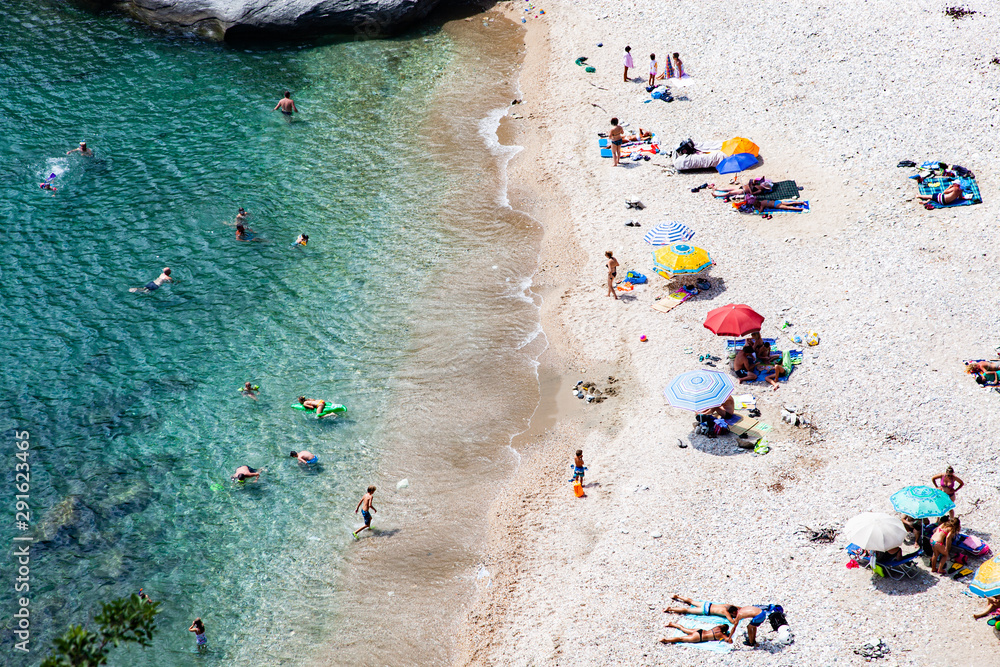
{"type": "Point", "coordinates": [986, 583]}
{"type": "Point", "coordinates": [921, 502]}
{"type": "Point", "coordinates": [699, 390]}
{"type": "Point", "coordinates": [666, 233]}
{"type": "Point", "coordinates": [737, 162]}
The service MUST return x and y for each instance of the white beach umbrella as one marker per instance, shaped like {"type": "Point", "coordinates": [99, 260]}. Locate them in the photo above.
{"type": "Point", "coordinates": [876, 531]}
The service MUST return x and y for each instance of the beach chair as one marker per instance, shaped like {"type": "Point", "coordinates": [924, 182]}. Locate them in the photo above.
{"type": "Point", "coordinates": [883, 565]}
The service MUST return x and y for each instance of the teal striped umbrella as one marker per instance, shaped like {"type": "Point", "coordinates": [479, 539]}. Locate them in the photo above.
{"type": "Point", "coordinates": [922, 502]}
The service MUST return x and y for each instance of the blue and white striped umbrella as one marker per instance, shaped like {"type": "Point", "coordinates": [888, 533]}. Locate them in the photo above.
{"type": "Point", "coordinates": [666, 233]}
{"type": "Point", "coordinates": [699, 390]}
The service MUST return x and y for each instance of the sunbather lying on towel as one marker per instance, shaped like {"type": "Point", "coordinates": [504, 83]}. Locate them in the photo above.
{"type": "Point", "coordinates": [992, 605]}
{"type": "Point", "coordinates": [783, 205]}
{"type": "Point", "coordinates": [719, 633]}
{"type": "Point", "coordinates": [951, 194]}
{"type": "Point", "coordinates": [745, 364]}
{"type": "Point", "coordinates": [756, 186]}
{"type": "Point", "coordinates": [985, 371]}
{"type": "Point", "coordinates": [727, 611]}
{"type": "Point", "coordinates": [642, 136]}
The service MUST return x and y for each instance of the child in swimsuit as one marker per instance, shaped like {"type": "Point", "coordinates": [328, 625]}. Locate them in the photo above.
{"type": "Point", "coordinates": [652, 69]}
{"type": "Point", "coordinates": [578, 467]}
{"type": "Point", "coordinates": [364, 505]}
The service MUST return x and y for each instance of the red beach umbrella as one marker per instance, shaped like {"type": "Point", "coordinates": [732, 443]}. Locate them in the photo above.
{"type": "Point", "coordinates": [736, 319]}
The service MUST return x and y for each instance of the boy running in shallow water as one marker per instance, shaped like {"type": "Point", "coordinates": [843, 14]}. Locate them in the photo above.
{"type": "Point", "coordinates": [365, 504]}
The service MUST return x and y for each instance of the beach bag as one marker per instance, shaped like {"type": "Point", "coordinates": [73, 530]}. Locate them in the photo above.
{"type": "Point", "coordinates": [962, 172]}
{"type": "Point", "coordinates": [686, 147]}
{"type": "Point", "coordinates": [777, 618]}
{"type": "Point", "coordinates": [635, 278]}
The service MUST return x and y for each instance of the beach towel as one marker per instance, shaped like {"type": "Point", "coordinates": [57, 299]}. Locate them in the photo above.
{"type": "Point", "coordinates": [698, 160]}
{"type": "Point", "coordinates": [701, 623]}
{"type": "Point", "coordinates": [937, 184]}
{"type": "Point", "coordinates": [781, 190]}
{"type": "Point", "coordinates": [671, 301]}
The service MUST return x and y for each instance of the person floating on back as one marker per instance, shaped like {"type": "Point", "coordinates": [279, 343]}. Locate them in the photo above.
{"type": "Point", "coordinates": [82, 150]}
{"type": "Point", "coordinates": [286, 105]}
{"type": "Point", "coordinates": [154, 285]}
{"type": "Point", "coordinates": [305, 456]}
{"type": "Point", "coordinates": [365, 504]}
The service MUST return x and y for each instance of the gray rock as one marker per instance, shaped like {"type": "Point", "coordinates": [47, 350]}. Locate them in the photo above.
{"type": "Point", "coordinates": [222, 19]}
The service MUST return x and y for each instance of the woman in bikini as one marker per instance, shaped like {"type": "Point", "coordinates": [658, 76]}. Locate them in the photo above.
{"type": "Point", "coordinates": [985, 371]}
{"type": "Point", "coordinates": [719, 633]}
{"type": "Point", "coordinates": [727, 611]}
{"type": "Point", "coordinates": [941, 544]}
{"type": "Point", "coordinates": [947, 483]}
{"type": "Point", "coordinates": [612, 273]}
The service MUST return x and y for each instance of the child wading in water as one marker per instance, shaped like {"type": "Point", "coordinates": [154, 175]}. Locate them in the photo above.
{"type": "Point", "coordinates": [364, 505]}
{"type": "Point", "coordinates": [198, 628]}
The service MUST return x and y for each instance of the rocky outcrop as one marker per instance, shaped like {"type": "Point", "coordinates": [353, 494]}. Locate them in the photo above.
{"type": "Point", "coordinates": [246, 19]}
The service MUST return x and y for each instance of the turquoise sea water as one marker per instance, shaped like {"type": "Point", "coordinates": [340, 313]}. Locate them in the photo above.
{"type": "Point", "coordinates": [130, 399]}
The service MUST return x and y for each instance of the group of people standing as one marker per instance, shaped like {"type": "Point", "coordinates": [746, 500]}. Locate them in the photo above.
{"type": "Point", "coordinates": [672, 67]}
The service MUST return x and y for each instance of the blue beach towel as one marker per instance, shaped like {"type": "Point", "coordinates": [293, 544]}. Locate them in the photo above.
{"type": "Point", "coordinates": [701, 623]}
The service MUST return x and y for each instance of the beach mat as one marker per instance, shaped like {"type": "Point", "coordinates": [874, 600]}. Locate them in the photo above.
{"type": "Point", "coordinates": [701, 623]}
{"type": "Point", "coordinates": [671, 301]}
{"type": "Point", "coordinates": [938, 184]}
{"type": "Point", "coordinates": [781, 190]}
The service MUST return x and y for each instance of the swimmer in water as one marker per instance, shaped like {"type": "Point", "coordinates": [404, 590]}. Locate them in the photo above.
{"type": "Point", "coordinates": [244, 233]}
{"type": "Point", "coordinates": [243, 473]}
{"type": "Point", "coordinates": [286, 105]}
{"type": "Point", "coordinates": [82, 150]}
{"type": "Point", "coordinates": [304, 456]}
{"type": "Point", "coordinates": [250, 390]}
{"type": "Point", "coordinates": [241, 216]}
{"type": "Point", "coordinates": [47, 184]}
{"type": "Point", "coordinates": [302, 240]}
{"type": "Point", "coordinates": [316, 405]}
{"type": "Point", "coordinates": [154, 285]}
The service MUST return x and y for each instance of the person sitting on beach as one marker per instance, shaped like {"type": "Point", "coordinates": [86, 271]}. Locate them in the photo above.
{"type": "Point", "coordinates": [719, 633]}
{"type": "Point", "coordinates": [315, 404]}
{"type": "Point", "coordinates": [250, 390]}
{"type": "Point", "coordinates": [951, 194]}
{"type": "Point", "coordinates": [744, 364]}
{"type": "Point", "coordinates": [992, 605]}
{"type": "Point", "coordinates": [244, 472]}
{"type": "Point", "coordinates": [727, 611]}
{"type": "Point", "coordinates": [82, 150]}
{"type": "Point", "coordinates": [305, 456]}
{"type": "Point", "coordinates": [761, 348]}
{"type": "Point", "coordinates": [725, 411]}
{"type": "Point", "coordinates": [774, 374]}
{"type": "Point", "coordinates": [678, 65]}
{"type": "Point", "coordinates": [616, 136]}
{"type": "Point", "coordinates": [941, 541]}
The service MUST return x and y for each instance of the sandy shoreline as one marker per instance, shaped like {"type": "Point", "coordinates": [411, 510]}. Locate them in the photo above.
{"type": "Point", "coordinates": [899, 295]}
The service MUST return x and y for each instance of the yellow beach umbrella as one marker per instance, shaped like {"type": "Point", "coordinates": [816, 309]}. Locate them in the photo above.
{"type": "Point", "coordinates": [680, 259]}
{"type": "Point", "coordinates": [740, 145]}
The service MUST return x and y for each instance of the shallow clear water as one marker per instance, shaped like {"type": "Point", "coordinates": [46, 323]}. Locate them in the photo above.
{"type": "Point", "coordinates": [131, 399]}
